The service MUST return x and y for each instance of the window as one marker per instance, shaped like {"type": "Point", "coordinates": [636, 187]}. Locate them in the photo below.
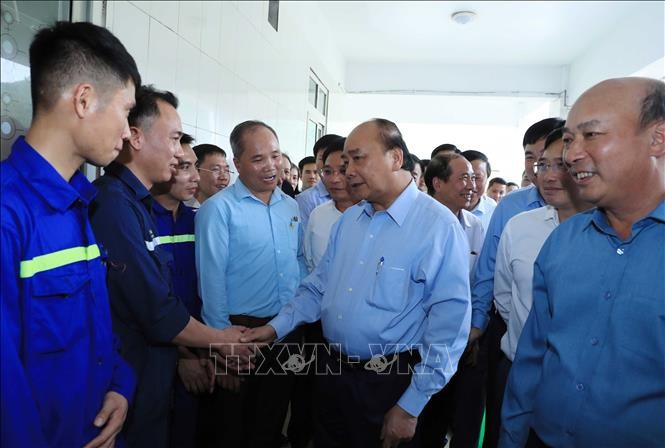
{"type": "Point", "coordinates": [273, 13]}
{"type": "Point", "coordinates": [20, 21]}
{"type": "Point", "coordinates": [317, 115]}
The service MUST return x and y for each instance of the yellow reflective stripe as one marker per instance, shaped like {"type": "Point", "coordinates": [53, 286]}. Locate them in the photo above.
{"type": "Point", "coordinates": [45, 262]}
{"type": "Point", "coordinates": [167, 239]}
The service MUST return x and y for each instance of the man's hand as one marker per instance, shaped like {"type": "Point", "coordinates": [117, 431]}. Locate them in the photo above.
{"type": "Point", "coordinates": [259, 335]}
{"type": "Point", "coordinates": [194, 375]}
{"type": "Point", "coordinates": [229, 382]}
{"type": "Point", "coordinates": [474, 335]}
{"type": "Point", "coordinates": [398, 426]}
{"type": "Point", "coordinates": [228, 344]}
{"type": "Point", "coordinates": [111, 418]}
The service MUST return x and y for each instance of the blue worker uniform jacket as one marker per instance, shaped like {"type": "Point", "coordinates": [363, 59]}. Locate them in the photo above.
{"type": "Point", "coordinates": [177, 238]}
{"type": "Point", "coordinates": [146, 313]}
{"type": "Point", "coordinates": [59, 356]}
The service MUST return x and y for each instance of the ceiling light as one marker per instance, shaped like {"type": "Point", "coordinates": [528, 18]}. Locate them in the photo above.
{"type": "Point", "coordinates": [463, 17]}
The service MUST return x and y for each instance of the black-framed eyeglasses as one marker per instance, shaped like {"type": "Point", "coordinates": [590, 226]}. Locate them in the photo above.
{"type": "Point", "coordinates": [543, 166]}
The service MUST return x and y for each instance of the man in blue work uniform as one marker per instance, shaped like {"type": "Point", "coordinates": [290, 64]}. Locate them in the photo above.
{"type": "Point", "coordinates": [147, 315]}
{"type": "Point", "coordinates": [590, 364]}
{"type": "Point", "coordinates": [175, 230]}
{"type": "Point", "coordinates": [387, 285]}
{"type": "Point", "coordinates": [63, 381]}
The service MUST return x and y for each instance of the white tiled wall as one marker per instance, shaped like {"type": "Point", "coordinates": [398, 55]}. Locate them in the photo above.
{"type": "Point", "coordinates": [226, 64]}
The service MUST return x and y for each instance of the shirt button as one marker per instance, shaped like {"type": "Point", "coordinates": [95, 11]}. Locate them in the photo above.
{"type": "Point", "coordinates": [594, 341]}
{"type": "Point", "coordinates": [339, 316]}
{"type": "Point", "coordinates": [99, 361]}
{"type": "Point", "coordinates": [569, 432]}
{"type": "Point", "coordinates": [608, 295]}
{"type": "Point", "coordinates": [281, 275]}
{"type": "Point", "coordinates": [279, 251]}
{"type": "Point", "coordinates": [362, 262]}
{"type": "Point", "coordinates": [371, 236]}
{"type": "Point", "coordinates": [350, 289]}
{"type": "Point", "coordinates": [620, 251]}
{"type": "Point", "coordinates": [579, 387]}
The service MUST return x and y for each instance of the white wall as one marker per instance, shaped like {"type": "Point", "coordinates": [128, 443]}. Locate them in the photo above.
{"type": "Point", "coordinates": [227, 64]}
{"type": "Point", "coordinates": [637, 41]}
{"type": "Point", "coordinates": [492, 125]}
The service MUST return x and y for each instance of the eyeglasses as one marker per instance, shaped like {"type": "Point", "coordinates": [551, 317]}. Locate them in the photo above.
{"type": "Point", "coordinates": [217, 172]}
{"type": "Point", "coordinates": [556, 167]}
{"type": "Point", "coordinates": [329, 172]}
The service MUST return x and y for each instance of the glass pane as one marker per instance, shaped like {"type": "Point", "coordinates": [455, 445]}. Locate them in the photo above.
{"type": "Point", "coordinates": [311, 136]}
{"type": "Point", "coordinates": [312, 92]}
{"type": "Point", "coordinates": [322, 103]}
{"type": "Point", "coordinates": [20, 21]}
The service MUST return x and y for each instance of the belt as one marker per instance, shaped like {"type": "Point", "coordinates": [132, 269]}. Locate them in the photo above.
{"type": "Point", "coordinates": [378, 363]}
{"type": "Point", "coordinates": [249, 321]}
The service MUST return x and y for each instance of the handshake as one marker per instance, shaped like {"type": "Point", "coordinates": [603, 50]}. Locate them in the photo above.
{"type": "Point", "coordinates": [237, 345]}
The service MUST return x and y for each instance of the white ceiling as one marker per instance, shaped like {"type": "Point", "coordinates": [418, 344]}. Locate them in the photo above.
{"type": "Point", "coordinates": [510, 33]}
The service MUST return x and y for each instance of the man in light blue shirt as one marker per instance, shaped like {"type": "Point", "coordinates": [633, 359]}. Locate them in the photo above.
{"type": "Point", "coordinates": [590, 364]}
{"type": "Point", "coordinates": [249, 262]}
{"type": "Point", "coordinates": [482, 290]}
{"type": "Point", "coordinates": [309, 199]}
{"type": "Point", "coordinates": [394, 277]}
{"type": "Point", "coordinates": [481, 205]}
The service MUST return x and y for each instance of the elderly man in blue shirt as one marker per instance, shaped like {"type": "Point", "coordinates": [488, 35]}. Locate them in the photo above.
{"type": "Point", "coordinates": [249, 261]}
{"type": "Point", "coordinates": [590, 363]}
{"type": "Point", "coordinates": [392, 287]}
{"type": "Point", "coordinates": [64, 383]}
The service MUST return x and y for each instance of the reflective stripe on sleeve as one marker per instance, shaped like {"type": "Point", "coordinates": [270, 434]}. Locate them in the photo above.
{"type": "Point", "coordinates": [45, 262]}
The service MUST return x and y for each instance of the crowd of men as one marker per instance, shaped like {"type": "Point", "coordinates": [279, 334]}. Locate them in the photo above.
{"type": "Point", "coordinates": [392, 303]}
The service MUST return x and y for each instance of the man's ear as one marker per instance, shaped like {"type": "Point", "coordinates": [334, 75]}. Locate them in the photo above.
{"type": "Point", "coordinates": [398, 158]}
{"type": "Point", "coordinates": [437, 184]}
{"type": "Point", "coordinates": [657, 135]}
{"type": "Point", "coordinates": [84, 98]}
{"type": "Point", "coordinates": [136, 138]}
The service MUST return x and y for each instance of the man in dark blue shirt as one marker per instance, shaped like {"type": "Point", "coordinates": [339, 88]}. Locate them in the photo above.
{"type": "Point", "coordinates": [590, 364]}
{"type": "Point", "coordinates": [63, 381]}
{"type": "Point", "coordinates": [147, 315]}
{"type": "Point", "coordinates": [175, 230]}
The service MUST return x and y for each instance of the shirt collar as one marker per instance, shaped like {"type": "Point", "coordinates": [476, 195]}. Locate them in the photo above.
{"type": "Point", "coordinates": [399, 209]}
{"type": "Point", "coordinates": [463, 219]}
{"type": "Point", "coordinates": [599, 219]}
{"type": "Point", "coordinates": [128, 178]}
{"type": "Point", "coordinates": [241, 191]}
{"type": "Point", "coordinates": [533, 197]}
{"type": "Point", "coordinates": [46, 182]}
{"type": "Point", "coordinates": [551, 214]}
{"type": "Point", "coordinates": [484, 204]}
{"type": "Point", "coordinates": [321, 190]}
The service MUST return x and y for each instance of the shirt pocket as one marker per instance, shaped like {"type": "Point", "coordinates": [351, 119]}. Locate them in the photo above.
{"type": "Point", "coordinates": [58, 311]}
{"type": "Point", "coordinates": [390, 288]}
{"type": "Point", "coordinates": [642, 326]}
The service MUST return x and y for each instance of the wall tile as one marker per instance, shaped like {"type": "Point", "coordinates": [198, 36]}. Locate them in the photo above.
{"type": "Point", "coordinates": [190, 22]}
{"type": "Point", "coordinates": [161, 57]}
{"type": "Point", "coordinates": [212, 12]}
{"type": "Point", "coordinates": [187, 80]}
{"type": "Point", "coordinates": [131, 26]}
{"type": "Point", "coordinates": [207, 94]}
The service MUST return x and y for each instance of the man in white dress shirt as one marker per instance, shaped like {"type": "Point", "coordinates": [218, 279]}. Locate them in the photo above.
{"type": "Point", "coordinates": [325, 215]}
{"type": "Point", "coordinates": [521, 241]}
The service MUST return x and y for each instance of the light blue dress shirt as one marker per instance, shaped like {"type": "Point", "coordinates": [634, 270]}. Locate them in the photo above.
{"type": "Point", "coordinates": [590, 364]}
{"type": "Point", "coordinates": [248, 254]}
{"type": "Point", "coordinates": [309, 199]}
{"type": "Point", "coordinates": [483, 286]}
{"type": "Point", "coordinates": [484, 210]}
{"type": "Point", "coordinates": [390, 277]}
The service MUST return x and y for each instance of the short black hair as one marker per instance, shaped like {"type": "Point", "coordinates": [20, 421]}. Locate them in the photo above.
{"type": "Point", "coordinates": [286, 156]}
{"type": "Point", "coordinates": [146, 108]}
{"type": "Point", "coordinates": [205, 149]}
{"type": "Point", "coordinates": [186, 139]}
{"type": "Point", "coordinates": [653, 104]}
{"type": "Point", "coordinates": [497, 180]}
{"type": "Point", "coordinates": [539, 130]}
{"type": "Point", "coordinates": [552, 137]}
{"type": "Point", "coordinates": [238, 133]}
{"type": "Point", "coordinates": [391, 137]}
{"type": "Point", "coordinates": [71, 52]}
{"type": "Point", "coordinates": [512, 184]}
{"type": "Point", "coordinates": [416, 160]}
{"type": "Point", "coordinates": [334, 146]}
{"type": "Point", "coordinates": [472, 155]}
{"type": "Point", "coordinates": [306, 161]}
{"type": "Point", "coordinates": [439, 166]}
{"type": "Point", "coordinates": [423, 164]}
{"type": "Point", "coordinates": [445, 147]}
{"type": "Point", "coordinates": [324, 142]}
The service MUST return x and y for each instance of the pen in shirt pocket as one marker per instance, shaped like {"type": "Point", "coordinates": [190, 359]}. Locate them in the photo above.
{"type": "Point", "coordinates": [379, 265]}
